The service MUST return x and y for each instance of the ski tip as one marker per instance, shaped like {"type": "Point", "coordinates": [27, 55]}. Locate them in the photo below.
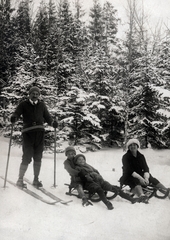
{"type": "Point", "coordinates": [53, 203]}
{"type": "Point", "coordinates": [66, 202]}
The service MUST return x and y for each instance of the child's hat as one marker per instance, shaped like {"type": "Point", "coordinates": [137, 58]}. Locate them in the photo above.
{"type": "Point", "coordinates": [70, 148]}
{"type": "Point", "coordinates": [77, 156]}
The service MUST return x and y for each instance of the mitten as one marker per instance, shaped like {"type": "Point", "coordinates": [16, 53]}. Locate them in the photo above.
{"type": "Point", "coordinates": [86, 202]}
{"type": "Point", "coordinates": [55, 124]}
{"type": "Point", "coordinates": [82, 173]}
{"type": "Point", "coordinates": [13, 119]}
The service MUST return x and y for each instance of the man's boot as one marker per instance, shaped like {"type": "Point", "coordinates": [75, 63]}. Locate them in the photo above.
{"type": "Point", "coordinates": [22, 170]}
{"type": "Point", "coordinates": [37, 167]}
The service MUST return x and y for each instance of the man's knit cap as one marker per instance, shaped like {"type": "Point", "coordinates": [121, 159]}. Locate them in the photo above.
{"type": "Point", "coordinates": [32, 89]}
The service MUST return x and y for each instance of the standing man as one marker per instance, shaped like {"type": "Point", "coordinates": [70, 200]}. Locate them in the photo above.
{"type": "Point", "coordinates": [34, 113]}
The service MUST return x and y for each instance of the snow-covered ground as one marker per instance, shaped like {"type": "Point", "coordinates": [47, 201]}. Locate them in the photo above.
{"type": "Point", "coordinates": [23, 217]}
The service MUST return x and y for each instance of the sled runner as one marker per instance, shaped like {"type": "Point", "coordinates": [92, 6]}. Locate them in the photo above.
{"type": "Point", "coordinates": [156, 192]}
{"type": "Point", "coordinates": [150, 191]}
{"type": "Point", "coordinates": [91, 196]}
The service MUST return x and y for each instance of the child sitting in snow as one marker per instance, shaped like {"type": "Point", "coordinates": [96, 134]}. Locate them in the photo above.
{"type": "Point", "coordinates": [94, 182]}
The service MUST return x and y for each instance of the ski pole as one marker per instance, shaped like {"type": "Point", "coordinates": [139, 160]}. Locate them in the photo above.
{"type": "Point", "coordinates": [55, 138]}
{"type": "Point", "coordinates": [55, 135]}
{"type": "Point", "coordinates": [9, 149]}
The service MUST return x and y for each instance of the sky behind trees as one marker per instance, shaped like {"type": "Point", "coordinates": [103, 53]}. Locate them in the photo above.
{"type": "Point", "coordinates": [156, 9]}
{"type": "Point", "coordinates": [157, 12]}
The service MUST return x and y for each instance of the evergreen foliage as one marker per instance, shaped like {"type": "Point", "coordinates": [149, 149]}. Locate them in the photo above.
{"type": "Point", "coordinates": [103, 90]}
{"type": "Point", "coordinates": [6, 41]}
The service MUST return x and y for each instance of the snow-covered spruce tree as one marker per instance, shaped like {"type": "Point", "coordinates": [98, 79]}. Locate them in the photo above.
{"type": "Point", "coordinates": [77, 123]}
{"type": "Point", "coordinates": [163, 71]}
{"type": "Point", "coordinates": [145, 121]}
{"type": "Point", "coordinates": [142, 123]}
{"type": "Point", "coordinates": [121, 95]}
{"type": "Point", "coordinates": [98, 65]}
{"type": "Point", "coordinates": [96, 24]}
{"type": "Point", "coordinates": [141, 79]}
{"type": "Point", "coordinates": [160, 60]}
{"type": "Point", "coordinates": [166, 129]}
{"type": "Point", "coordinates": [165, 58]}
{"type": "Point", "coordinates": [22, 21]}
{"type": "Point", "coordinates": [5, 56]}
{"type": "Point", "coordinates": [162, 63]}
{"type": "Point", "coordinates": [40, 34]}
{"type": "Point", "coordinates": [71, 47]}
{"type": "Point", "coordinates": [103, 25]}
{"type": "Point", "coordinates": [110, 119]}
{"type": "Point", "coordinates": [19, 32]}
{"type": "Point", "coordinates": [46, 38]}
{"type": "Point", "coordinates": [104, 104]}
{"type": "Point", "coordinates": [21, 28]}
{"type": "Point", "coordinates": [52, 51]}
{"type": "Point", "coordinates": [110, 26]}
{"type": "Point", "coordinates": [164, 113]}
{"type": "Point", "coordinates": [6, 41]}
{"type": "Point", "coordinates": [139, 73]}
{"type": "Point", "coordinates": [80, 44]}
{"type": "Point", "coordinates": [150, 122]}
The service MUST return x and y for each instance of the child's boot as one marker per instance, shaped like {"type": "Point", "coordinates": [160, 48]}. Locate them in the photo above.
{"type": "Point", "coordinates": [109, 205]}
{"type": "Point", "coordinates": [102, 196]}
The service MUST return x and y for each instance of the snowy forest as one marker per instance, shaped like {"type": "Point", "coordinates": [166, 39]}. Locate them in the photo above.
{"type": "Point", "coordinates": [103, 89]}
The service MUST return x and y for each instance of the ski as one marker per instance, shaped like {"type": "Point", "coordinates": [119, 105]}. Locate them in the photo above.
{"type": "Point", "coordinates": [31, 193]}
{"type": "Point", "coordinates": [49, 194]}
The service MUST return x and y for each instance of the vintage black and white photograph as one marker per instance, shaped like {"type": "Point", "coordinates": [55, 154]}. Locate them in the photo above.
{"type": "Point", "coordinates": [85, 119]}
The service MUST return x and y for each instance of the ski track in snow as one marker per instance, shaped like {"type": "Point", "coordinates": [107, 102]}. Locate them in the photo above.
{"type": "Point", "coordinates": [23, 217]}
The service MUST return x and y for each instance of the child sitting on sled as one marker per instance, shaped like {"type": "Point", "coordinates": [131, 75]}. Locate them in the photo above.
{"type": "Point", "coordinates": [76, 182]}
{"type": "Point", "coordinates": [94, 182]}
